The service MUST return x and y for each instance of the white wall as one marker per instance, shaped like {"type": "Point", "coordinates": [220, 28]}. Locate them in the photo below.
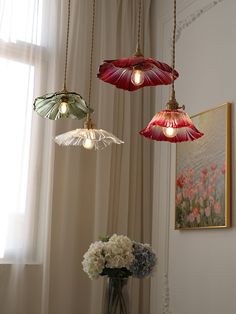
{"type": "Point", "coordinates": [201, 265]}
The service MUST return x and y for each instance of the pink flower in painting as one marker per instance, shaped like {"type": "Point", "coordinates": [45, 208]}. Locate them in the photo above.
{"type": "Point", "coordinates": [204, 175]}
{"type": "Point", "coordinates": [195, 212]}
{"type": "Point", "coordinates": [223, 169]}
{"type": "Point", "coordinates": [190, 172]}
{"type": "Point", "coordinates": [197, 185]}
{"type": "Point", "coordinates": [198, 218]}
{"type": "Point", "coordinates": [213, 180]}
{"type": "Point", "coordinates": [200, 201]}
{"type": "Point", "coordinates": [191, 194]}
{"type": "Point", "coordinates": [185, 193]}
{"type": "Point", "coordinates": [194, 215]}
{"type": "Point", "coordinates": [200, 186]}
{"type": "Point", "coordinates": [191, 217]}
{"type": "Point", "coordinates": [204, 195]}
{"type": "Point", "coordinates": [180, 181]}
{"type": "Point", "coordinates": [207, 211]}
{"type": "Point", "coordinates": [212, 200]}
{"type": "Point", "coordinates": [201, 195]}
{"type": "Point", "coordinates": [184, 205]}
{"type": "Point", "coordinates": [210, 189]}
{"type": "Point", "coordinates": [190, 177]}
{"type": "Point", "coordinates": [204, 172]}
{"type": "Point", "coordinates": [217, 208]}
{"type": "Point", "coordinates": [179, 198]}
{"type": "Point", "coordinates": [201, 211]}
{"type": "Point", "coordinates": [213, 166]}
{"type": "Point", "coordinates": [190, 182]}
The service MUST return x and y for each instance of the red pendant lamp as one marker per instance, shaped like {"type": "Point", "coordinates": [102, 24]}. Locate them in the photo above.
{"type": "Point", "coordinates": [173, 124]}
{"type": "Point", "coordinates": [136, 71]}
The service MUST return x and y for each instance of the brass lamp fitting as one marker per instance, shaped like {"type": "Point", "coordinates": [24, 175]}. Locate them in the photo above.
{"type": "Point", "coordinates": [88, 124]}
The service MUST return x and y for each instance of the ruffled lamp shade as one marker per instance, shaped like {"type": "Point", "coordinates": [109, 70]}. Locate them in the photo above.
{"type": "Point", "coordinates": [150, 72]}
{"type": "Point", "coordinates": [89, 138]}
{"type": "Point", "coordinates": [172, 126]}
{"type": "Point", "coordinates": [61, 105]}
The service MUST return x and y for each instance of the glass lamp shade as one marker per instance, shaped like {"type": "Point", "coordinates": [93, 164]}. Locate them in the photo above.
{"type": "Point", "coordinates": [120, 72]}
{"type": "Point", "coordinates": [171, 126]}
{"type": "Point", "coordinates": [88, 138]}
{"type": "Point", "coordinates": [61, 105]}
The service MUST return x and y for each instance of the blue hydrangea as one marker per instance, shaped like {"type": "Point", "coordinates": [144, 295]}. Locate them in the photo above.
{"type": "Point", "coordinates": [144, 261]}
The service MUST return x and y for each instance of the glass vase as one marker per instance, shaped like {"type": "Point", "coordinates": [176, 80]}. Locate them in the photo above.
{"type": "Point", "coordinates": [116, 296]}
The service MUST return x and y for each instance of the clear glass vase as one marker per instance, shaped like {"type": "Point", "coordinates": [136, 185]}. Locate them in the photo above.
{"type": "Point", "coordinates": [116, 296]}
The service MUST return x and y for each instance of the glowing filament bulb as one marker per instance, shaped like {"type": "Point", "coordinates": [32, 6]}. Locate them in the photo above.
{"type": "Point", "coordinates": [88, 143]}
{"type": "Point", "coordinates": [63, 107]}
{"type": "Point", "coordinates": [137, 77]}
{"type": "Point", "coordinates": [170, 132]}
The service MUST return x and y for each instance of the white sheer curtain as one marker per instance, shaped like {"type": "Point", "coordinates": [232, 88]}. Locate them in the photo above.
{"type": "Point", "coordinates": [26, 157]}
{"type": "Point", "coordinates": [20, 27]}
{"type": "Point", "coordinates": [66, 198]}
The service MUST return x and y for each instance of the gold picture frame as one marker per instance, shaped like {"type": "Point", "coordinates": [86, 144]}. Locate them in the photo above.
{"type": "Point", "coordinates": [203, 173]}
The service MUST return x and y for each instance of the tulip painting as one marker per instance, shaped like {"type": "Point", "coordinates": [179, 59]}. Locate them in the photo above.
{"type": "Point", "coordinates": [202, 198]}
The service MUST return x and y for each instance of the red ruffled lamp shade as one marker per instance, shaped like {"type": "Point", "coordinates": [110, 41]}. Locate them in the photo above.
{"type": "Point", "coordinates": [171, 126]}
{"type": "Point", "coordinates": [150, 72]}
{"type": "Point", "coordinates": [136, 71]}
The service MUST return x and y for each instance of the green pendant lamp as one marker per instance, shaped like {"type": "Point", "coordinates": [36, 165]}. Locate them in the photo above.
{"type": "Point", "coordinates": [89, 136]}
{"type": "Point", "coordinates": [62, 104]}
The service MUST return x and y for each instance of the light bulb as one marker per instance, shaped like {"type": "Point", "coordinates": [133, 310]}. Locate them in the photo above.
{"type": "Point", "coordinates": [170, 132]}
{"type": "Point", "coordinates": [137, 77]}
{"type": "Point", "coordinates": [88, 143]}
{"type": "Point", "coordinates": [63, 107]}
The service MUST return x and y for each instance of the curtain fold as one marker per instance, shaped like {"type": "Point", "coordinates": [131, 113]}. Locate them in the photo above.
{"type": "Point", "coordinates": [79, 195]}
{"type": "Point", "coordinates": [109, 191]}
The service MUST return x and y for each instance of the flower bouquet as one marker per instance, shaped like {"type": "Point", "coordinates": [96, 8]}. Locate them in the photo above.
{"type": "Point", "coordinates": [118, 258]}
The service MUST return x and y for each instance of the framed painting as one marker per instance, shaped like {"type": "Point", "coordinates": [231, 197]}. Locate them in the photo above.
{"type": "Point", "coordinates": [202, 198]}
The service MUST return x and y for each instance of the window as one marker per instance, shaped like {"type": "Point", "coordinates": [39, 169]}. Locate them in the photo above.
{"type": "Point", "coordinates": [20, 34]}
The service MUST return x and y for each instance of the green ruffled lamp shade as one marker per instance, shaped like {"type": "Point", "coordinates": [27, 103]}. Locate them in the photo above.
{"type": "Point", "coordinates": [89, 137]}
{"type": "Point", "coordinates": [61, 105]}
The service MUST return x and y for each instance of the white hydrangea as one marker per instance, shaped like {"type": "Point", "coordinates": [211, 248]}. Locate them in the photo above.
{"type": "Point", "coordinates": [94, 260]}
{"type": "Point", "coordinates": [118, 252]}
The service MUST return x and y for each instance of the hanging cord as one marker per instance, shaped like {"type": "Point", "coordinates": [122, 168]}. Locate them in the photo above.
{"type": "Point", "coordinates": [88, 122]}
{"type": "Point", "coordinates": [91, 55]}
{"type": "Point", "coordinates": [139, 22]}
{"type": "Point", "coordinates": [173, 55]}
{"type": "Point", "coordinates": [67, 45]}
{"type": "Point", "coordinates": [138, 50]}
{"type": "Point", "coordinates": [172, 104]}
